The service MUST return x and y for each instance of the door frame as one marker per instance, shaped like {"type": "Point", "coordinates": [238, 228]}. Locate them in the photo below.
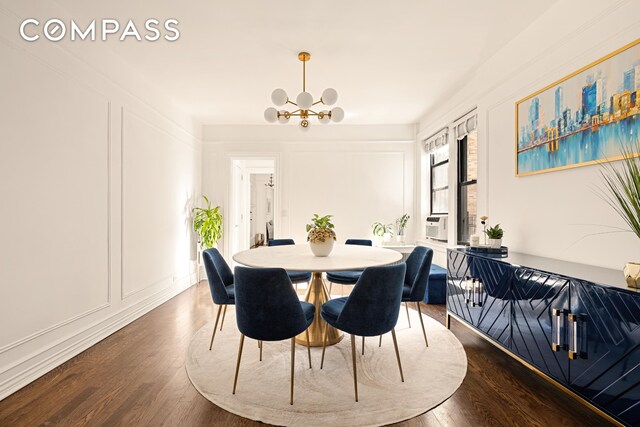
{"type": "Point", "coordinates": [229, 193]}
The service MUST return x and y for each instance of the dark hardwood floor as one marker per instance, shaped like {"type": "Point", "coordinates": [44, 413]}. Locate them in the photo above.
{"type": "Point", "coordinates": [137, 377]}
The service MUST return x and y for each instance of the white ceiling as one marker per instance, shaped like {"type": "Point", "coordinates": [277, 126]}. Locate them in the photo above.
{"type": "Point", "coordinates": [390, 61]}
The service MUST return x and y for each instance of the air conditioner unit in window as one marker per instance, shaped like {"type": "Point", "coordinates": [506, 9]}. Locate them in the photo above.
{"type": "Point", "coordinates": [436, 228]}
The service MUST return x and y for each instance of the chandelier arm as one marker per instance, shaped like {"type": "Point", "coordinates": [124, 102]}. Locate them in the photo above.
{"type": "Point", "coordinates": [292, 103]}
{"type": "Point", "coordinates": [304, 76]}
{"type": "Point", "coordinates": [312, 113]}
{"type": "Point", "coordinates": [318, 102]}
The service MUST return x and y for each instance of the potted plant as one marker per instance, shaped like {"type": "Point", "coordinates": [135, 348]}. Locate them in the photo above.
{"type": "Point", "coordinates": [382, 231]}
{"type": "Point", "coordinates": [207, 222]}
{"type": "Point", "coordinates": [401, 225]}
{"type": "Point", "coordinates": [622, 193]}
{"type": "Point", "coordinates": [494, 234]}
{"type": "Point", "coordinates": [321, 235]}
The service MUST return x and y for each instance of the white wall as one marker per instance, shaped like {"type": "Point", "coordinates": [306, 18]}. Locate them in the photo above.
{"type": "Point", "coordinates": [97, 177]}
{"type": "Point", "coordinates": [555, 214]}
{"type": "Point", "coordinates": [359, 174]}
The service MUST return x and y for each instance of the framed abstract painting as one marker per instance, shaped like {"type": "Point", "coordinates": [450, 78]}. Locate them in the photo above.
{"type": "Point", "coordinates": [582, 119]}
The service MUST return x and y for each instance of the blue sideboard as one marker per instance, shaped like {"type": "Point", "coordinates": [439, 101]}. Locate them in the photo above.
{"type": "Point", "coordinates": [575, 324]}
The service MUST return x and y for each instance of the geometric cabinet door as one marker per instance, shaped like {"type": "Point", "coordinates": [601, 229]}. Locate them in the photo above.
{"type": "Point", "coordinates": [478, 293]}
{"type": "Point", "coordinates": [540, 304]}
{"type": "Point", "coordinates": [605, 334]}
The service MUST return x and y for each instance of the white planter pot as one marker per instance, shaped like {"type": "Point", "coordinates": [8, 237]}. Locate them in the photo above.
{"type": "Point", "coordinates": [495, 243]}
{"type": "Point", "coordinates": [400, 238]}
{"type": "Point", "coordinates": [386, 238]}
{"type": "Point", "coordinates": [322, 248]}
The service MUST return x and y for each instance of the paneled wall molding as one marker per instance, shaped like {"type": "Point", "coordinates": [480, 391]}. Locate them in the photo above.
{"type": "Point", "coordinates": [25, 370]}
{"type": "Point", "coordinates": [65, 114]}
{"type": "Point", "coordinates": [168, 279]}
{"type": "Point", "coordinates": [52, 328]}
{"type": "Point", "coordinates": [188, 141]}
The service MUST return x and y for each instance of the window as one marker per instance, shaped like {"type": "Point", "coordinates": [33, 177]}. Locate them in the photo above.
{"type": "Point", "coordinates": [467, 186]}
{"type": "Point", "coordinates": [439, 161]}
{"type": "Point", "coordinates": [437, 147]}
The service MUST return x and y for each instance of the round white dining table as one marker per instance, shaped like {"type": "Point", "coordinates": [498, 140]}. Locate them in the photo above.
{"type": "Point", "coordinates": [300, 258]}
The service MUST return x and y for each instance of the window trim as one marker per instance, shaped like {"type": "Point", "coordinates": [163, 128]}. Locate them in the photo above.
{"type": "Point", "coordinates": [432, 190]}
{"type": "Point", "coordinates": [462, 160]}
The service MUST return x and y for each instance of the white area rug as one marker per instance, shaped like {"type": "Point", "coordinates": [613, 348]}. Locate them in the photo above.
{"type": "Point", "coordinates": [325, 397]}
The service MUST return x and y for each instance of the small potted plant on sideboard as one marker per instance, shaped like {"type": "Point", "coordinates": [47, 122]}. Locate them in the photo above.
{"type": "Point", "coordinates": [495, 234]}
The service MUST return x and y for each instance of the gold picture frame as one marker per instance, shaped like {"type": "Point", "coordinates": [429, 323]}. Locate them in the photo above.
{"type": "Point", "coordinates": [588, 131]}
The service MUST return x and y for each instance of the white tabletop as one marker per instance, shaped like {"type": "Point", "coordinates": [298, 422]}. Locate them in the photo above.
{"type": "Point", "coordinates": [300, 258]}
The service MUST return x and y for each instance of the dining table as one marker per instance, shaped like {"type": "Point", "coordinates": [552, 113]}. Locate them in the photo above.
{"type": "Point", "coordinates": [300, 258]}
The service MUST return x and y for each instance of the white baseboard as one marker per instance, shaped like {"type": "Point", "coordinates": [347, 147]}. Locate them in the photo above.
{"type": "Point", "coordinates": [44, 361]}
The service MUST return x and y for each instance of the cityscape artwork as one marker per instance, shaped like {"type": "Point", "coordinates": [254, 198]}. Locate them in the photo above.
{"type": "Point", "coordinates": [587, 117]}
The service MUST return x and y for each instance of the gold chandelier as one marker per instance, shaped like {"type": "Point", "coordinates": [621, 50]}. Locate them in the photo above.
{"type": "Point", "coordinates": [304, 102]}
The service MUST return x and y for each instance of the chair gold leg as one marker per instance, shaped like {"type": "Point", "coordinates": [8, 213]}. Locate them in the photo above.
{"type": "Point", "coordinates": [395, 344]}
{"type": "Point", "coordinates": [260, 345]}
{"type": "Point", "coordinates": [235, 379]}
{"type": "Point", "coordinates": [215, 327]}
{"type": "Point", "coordinates": [422, 323]}
{"type": "Point", "coordinates": [408, 318]}
{"type": "Point", "coordinates": [363, 345]}
{"type": "Point", "coordinates": [293, 361]}
{"type": "Point", "coordinates": [324, 343]}
{"type": "Point", "coordinates": [308, 347]}
{"type": "Point", "coordinates": [330, 287]}
{"type": "Point", "coordinates": [224, 313]}
{"type": "Point", "coordinates": [353, 358]}
{"type": "Point", "coordinates": [380, 343]}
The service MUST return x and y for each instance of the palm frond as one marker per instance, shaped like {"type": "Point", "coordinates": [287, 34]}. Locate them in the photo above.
{"type": "Point", "coordinates": [622, 187]}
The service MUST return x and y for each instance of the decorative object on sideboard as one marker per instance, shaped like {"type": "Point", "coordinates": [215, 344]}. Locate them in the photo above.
{"type": "Point", "coordinates": [304, 103]}
{"type": "Point", "coordinates": [622, 193]}
{"type": "Point", "coordinates": [321, 235]}
{"type": "Point", "coordinates": [483, 221]}
{"type": "Point", "coordinates": [632, 274]}
{"type": "Point", "coordinates": [401, 226]}
{"type": "Point", "coordinates": [382, 231]}
{"type": "Point", "coordinates": [494, 234]}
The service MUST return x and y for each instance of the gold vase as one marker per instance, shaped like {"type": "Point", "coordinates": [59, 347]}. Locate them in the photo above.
{"type": "Point", "coordinates": [632, 274]}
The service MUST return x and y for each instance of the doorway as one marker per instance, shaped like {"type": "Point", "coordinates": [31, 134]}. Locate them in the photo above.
{"type": "Point", "coordinates": [252, 201]}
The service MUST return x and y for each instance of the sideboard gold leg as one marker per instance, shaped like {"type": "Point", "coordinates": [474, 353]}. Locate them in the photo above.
{"type": "Point", "coordinates": [317, 295]}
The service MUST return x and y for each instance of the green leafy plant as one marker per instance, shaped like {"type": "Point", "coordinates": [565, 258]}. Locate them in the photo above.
{"type": "Point", "coordinates": [207, 222]}
{"type": "Point", "coordinates": [379, 229]}
{"type": "Point", "coordinates": [494, 232]}
{"type": "Point", "coordinates": [623, 187]}
{"type": "Point", "coordinates": [401, 223]}
{"type": "Point", "coordinates": [321, 228]}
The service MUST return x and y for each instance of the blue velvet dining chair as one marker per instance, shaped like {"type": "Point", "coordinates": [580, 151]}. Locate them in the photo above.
{"type": "Point", "coordinates": [347, 277]}
{"type": "Point", "coordinates": [371, 309]}
{"type": "Point", "coordinates": [268, 309]}
{"type": "Point", "coordinates": [221, 285]}
{"type": "Point", "coordinates": [295, 276]}
{"type": "Point", "coordinates": [416, 281]}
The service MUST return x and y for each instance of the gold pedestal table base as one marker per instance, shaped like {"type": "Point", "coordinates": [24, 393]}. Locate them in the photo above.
{"type": "Point", "coordinates": [317, 295]}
